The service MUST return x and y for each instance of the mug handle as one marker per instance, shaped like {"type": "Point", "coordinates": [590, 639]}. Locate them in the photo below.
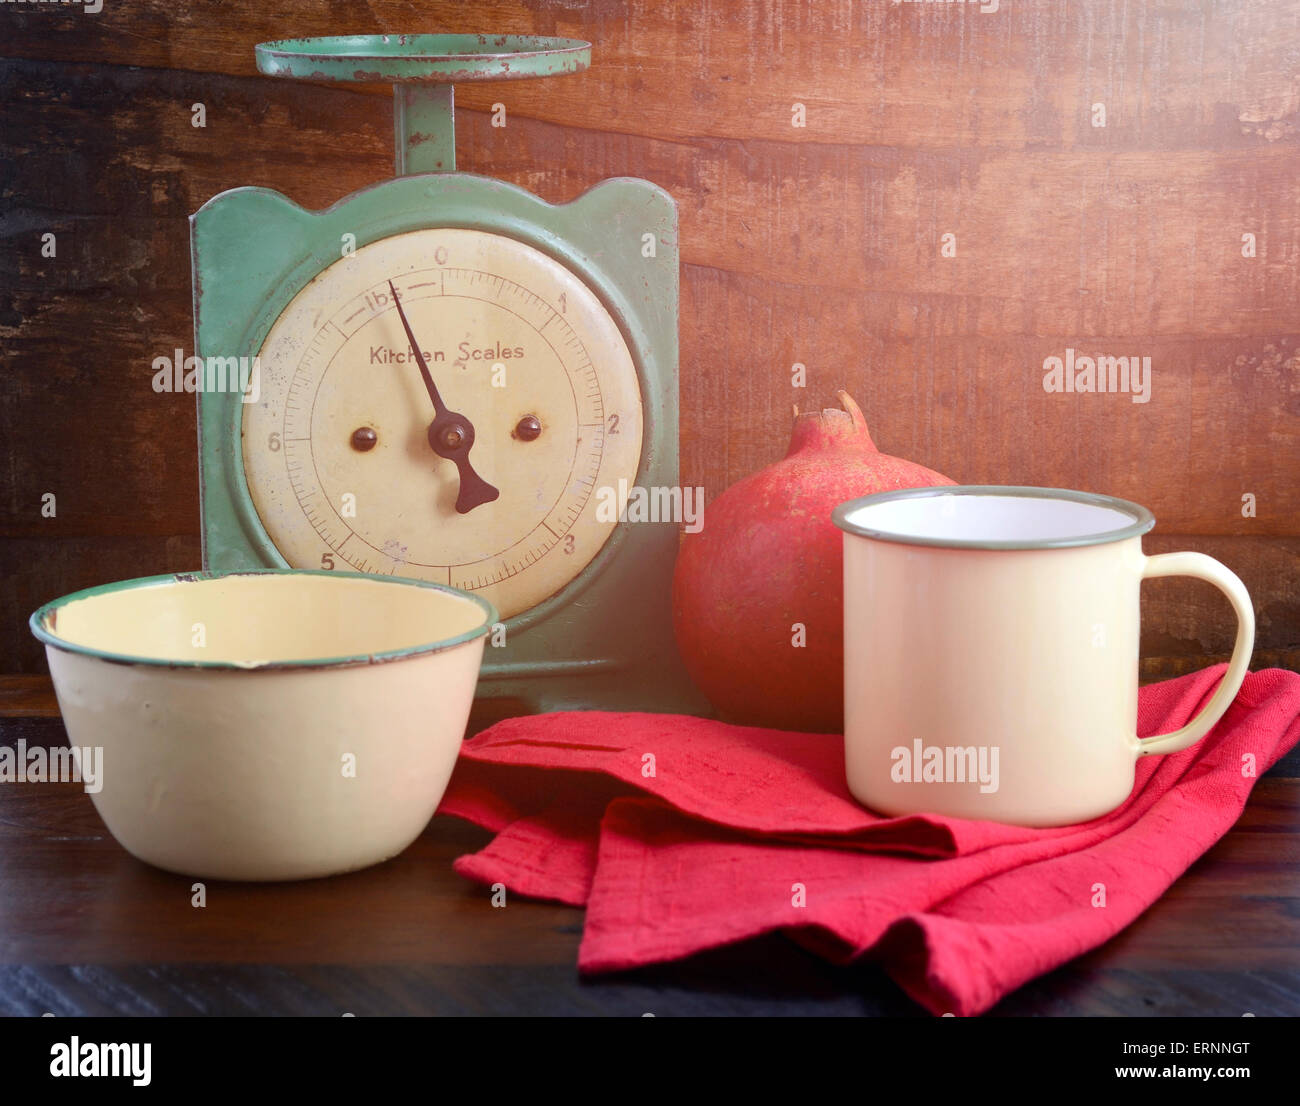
{"type": "Point", "coordinates": [1206, 568]}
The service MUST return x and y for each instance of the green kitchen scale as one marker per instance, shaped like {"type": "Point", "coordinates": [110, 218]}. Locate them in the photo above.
{"type": "Point", "coordinates": [448, 378]}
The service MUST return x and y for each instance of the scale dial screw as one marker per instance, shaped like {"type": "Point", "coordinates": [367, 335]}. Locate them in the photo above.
{"type": "Point", "coordinates": [364, 439]}
{"type": "Point", "coordinates": [451, 437]}
{"type": "Point", "coordinates": [529, 428]}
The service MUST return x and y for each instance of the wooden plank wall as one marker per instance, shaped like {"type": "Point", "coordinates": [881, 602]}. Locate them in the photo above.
{"type": "Point", "coordinates": [818, 244]}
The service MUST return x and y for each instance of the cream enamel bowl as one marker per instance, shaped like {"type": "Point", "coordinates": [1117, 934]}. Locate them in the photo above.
{"type": "Point", "coordinates": [266, 725]}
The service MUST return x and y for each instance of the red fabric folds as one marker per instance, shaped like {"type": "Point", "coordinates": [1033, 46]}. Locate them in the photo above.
{"type": "Point", "coordinates": [681, 834]}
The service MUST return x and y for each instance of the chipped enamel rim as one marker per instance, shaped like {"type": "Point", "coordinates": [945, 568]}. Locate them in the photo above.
{"type": "Point", "coordinates": [1143, 520]}
{"type": "Point", "coordinates": [43, 616]}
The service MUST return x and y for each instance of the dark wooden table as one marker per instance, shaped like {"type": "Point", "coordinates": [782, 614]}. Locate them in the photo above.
{"type": "Point", "coordinates": [87, 929]}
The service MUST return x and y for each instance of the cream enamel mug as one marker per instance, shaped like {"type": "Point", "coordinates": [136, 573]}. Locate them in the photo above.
{"type": "Point", "coordinates": [991, 651]}
{"type": "Point", "coordinates": [266, 725]}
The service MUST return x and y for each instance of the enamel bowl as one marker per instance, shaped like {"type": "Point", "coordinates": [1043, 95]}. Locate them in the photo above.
{"type": "Point", "coordinates": [266, 725]}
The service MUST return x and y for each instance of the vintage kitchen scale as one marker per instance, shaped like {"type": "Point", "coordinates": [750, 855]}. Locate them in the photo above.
{"type": "Point", "coordinates": [457, 381]}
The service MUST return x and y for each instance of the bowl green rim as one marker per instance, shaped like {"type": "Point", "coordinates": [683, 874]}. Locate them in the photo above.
{"type": "Point", "coordinates": [1143, 520]}
{"type": "Point", "coordinates": [46, 635]}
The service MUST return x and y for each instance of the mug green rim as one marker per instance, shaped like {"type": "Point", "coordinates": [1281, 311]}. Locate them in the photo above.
{"type": "Point", "coordinates": [43, 614]}
{"type": "Point", "coordinates": [1143, 520]}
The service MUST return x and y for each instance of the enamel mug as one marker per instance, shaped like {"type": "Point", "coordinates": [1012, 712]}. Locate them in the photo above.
{"type": "Point", "coordinates": [991, 651]}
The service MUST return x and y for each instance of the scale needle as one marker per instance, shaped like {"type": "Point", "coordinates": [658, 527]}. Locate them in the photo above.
{"type": "Point", "coordinates": [451, 434]}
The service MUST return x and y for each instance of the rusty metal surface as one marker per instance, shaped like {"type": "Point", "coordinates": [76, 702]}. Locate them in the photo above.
{"type": "Point", "coordinates": [437, 59]}
{"type": "Point", "coordinates": [424, 128]}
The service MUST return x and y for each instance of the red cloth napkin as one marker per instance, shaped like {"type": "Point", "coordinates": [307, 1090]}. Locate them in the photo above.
{"type": "Point", "coordinates": [681, 834]}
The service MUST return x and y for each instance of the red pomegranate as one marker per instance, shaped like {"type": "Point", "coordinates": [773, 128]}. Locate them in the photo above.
{"type": "Point", "coordinates": [768, 560]}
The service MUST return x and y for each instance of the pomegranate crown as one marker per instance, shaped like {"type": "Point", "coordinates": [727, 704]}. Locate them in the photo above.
{"type": "Point", "coordinates": [818, 429]}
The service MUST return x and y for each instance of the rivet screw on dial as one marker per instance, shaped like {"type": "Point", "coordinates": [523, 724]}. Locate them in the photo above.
{"type": "Point", "coordinates": [528, 429]}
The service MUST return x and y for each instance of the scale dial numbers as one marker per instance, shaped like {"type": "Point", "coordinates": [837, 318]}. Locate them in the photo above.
{"type": "Point", "coordinates": [336, 450]}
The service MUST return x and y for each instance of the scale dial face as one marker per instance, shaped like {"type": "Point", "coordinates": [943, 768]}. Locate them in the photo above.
{"type": "Point", "coordinates": [337, 449]}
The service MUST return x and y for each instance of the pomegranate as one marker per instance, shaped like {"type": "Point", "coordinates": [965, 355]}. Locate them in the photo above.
{"type": "Point", "coordinates": [758, 593]}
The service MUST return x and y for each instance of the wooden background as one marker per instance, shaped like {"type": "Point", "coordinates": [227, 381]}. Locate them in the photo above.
{"type": "Point", "coordinates": [818, 245]}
